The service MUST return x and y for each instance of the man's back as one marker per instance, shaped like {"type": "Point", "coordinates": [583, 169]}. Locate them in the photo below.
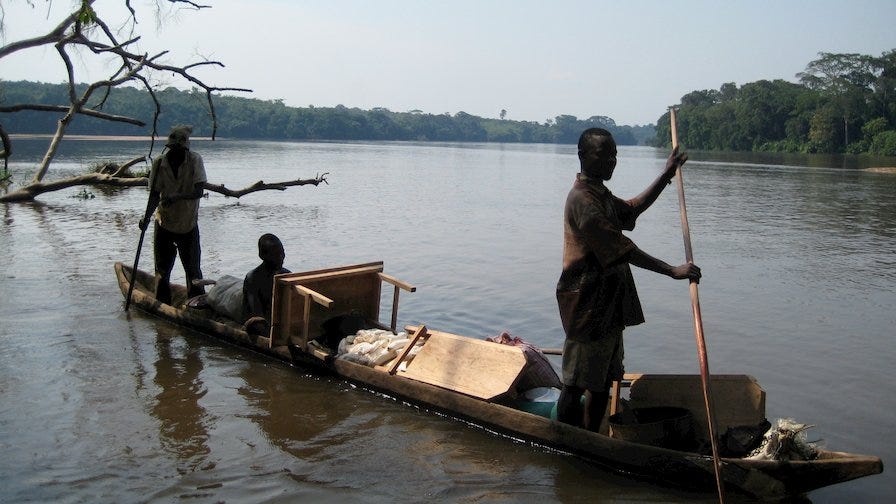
{"type": "Point", "coordinates": [258, 289]}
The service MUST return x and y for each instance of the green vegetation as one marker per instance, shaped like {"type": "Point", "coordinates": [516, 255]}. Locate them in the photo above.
{"type": "Point", "coordinates": [272, 119]}
{"type": "Point", "coordinates": [844, 103]}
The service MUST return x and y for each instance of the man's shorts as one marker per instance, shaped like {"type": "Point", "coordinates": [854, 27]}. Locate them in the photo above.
{"type": "Point", "coordinates": [593, 365]}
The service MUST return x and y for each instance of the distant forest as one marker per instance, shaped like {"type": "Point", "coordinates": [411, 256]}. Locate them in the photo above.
{"type": "Point", "coordinates": [843, 103]}
{"type": "Point", "coordinates": [251, 118]}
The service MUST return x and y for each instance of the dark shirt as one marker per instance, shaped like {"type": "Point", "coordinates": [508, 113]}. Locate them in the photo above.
{"type": "Point", "coordinates": [258, 289]}
{"type": "Point", "coordinates": [596, 291]}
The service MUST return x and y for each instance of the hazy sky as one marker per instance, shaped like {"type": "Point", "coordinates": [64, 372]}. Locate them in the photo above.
{"type": "Point", "coordinates": [536, 59]}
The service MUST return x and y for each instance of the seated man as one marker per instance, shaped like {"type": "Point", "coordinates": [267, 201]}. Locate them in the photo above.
{"type": "Point", "coordinates": [258, 286]}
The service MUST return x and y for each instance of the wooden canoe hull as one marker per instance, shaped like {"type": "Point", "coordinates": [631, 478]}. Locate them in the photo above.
{"type": "Point", "coordinates": [762, 479]}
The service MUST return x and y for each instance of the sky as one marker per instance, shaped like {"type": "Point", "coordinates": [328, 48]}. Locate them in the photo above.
{"type": "Point", "coordinates": [535, 59]}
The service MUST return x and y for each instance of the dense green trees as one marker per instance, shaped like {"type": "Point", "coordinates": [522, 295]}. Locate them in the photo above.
{"type": "Point", "coordinates": [272, 119]}
{"type": "Point", "coordinates": [843, 103]}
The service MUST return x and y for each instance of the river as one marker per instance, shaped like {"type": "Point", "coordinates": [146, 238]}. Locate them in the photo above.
{"type": "Point", "coordinates": [99, 405]}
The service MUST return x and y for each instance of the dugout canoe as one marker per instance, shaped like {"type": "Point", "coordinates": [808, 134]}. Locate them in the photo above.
{"type": "Point", "coordinates": [302, 298]}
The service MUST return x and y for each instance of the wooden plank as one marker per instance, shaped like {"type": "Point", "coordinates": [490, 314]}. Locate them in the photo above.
{"type": "Point", "coordinates": [315, 296]}
{"type": "Point", "coordinates": [421, 332]}
{"type": "Point", "coordinates": [344, 290]}
{"type": "Point", "coordinates": [306, 322]}
{"type": "Point", "coordinates": [614, 406]}
{"type": "Point", "coordinates": [274, 330]}
{"type": "Point", "coordinates": [394, 320]}
{"type": "Point", "coordinates": [474, 367]}
{"type": "Point", "coordinates": [398, 283]}
{"type": "Point", "coordinates": [301, 278]}
{"type": "Point", "coordinates": [286, 276]}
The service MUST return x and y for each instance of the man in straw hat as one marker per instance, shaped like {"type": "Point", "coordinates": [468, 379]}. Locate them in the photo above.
{"type": "Point", "coordinates": [175, 186]}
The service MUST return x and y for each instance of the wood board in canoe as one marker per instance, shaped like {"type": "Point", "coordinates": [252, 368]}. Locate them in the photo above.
{"type": "Point", "coordinates": [302, 300]}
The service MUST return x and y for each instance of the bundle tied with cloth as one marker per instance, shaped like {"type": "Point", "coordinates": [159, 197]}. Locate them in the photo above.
{"type": "Point", "coordinates": [226, 297]}
{"type": "Point", "coordinates": [538, 372]}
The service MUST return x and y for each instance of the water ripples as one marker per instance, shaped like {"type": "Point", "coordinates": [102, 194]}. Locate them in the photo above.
{"type": "Point", "coordinates": [798, 289]}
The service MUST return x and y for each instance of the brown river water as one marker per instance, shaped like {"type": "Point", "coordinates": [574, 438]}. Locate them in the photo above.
{"type": "Point", "coordinates": [102, 405]}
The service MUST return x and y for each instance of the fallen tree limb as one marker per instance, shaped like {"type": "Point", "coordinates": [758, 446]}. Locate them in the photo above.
{"type": "Point", "coordinates": [124, 168]}
{"type": "Point", "coordinates": [31, 191]}
{"type": "Point", "coordinates": [262, 186]}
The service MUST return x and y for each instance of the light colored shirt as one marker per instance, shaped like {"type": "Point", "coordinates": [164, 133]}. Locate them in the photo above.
{"type": "Point", "coordinates": [180, 216]}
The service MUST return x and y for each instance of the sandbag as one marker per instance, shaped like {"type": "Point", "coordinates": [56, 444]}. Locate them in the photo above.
{"type": "Point", "coordinates": [226, 297]}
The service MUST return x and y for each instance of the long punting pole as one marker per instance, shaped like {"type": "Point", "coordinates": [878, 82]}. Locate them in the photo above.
{"type": "Point", "coordinates": [127, 302]}
{"type": "Point", "coordinates": [698, 320]}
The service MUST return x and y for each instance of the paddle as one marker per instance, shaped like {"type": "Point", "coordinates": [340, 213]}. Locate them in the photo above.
{"type": "Point", "coordinates": [698, 320]}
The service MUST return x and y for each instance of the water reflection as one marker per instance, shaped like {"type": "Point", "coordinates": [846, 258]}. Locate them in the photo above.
{"type": "Point", "coordinates": [606, 486]}
{"type": "Point", "coordinates": [183, 428]}
{"type": "Point", "coordinates": [291, 409]}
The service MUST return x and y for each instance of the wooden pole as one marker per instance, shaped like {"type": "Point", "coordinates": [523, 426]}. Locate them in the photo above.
{"type": "Point", "coordinates": [127, 303]}
{"type": "Point", "coordinates": [698, 320]}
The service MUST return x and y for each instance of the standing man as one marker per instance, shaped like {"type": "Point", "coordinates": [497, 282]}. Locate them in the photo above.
{"type": "Point", "coordinates": [596, 292]}
{"type": "Point", "coordinates": [175, 185]}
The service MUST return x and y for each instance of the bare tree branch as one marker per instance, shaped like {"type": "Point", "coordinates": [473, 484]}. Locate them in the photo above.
{"type": "Point", "coordinates": [31, 191]}
{"type": "Point", "coordinates": [261, 186]}
{"type": "Point", "coordinates": [196, 5]}
{"type": "Point", "coordinates": [50, 38]}
{"type": "Point", "coordinates": [63, 108]}
{"type": "Point", "coordinates": [74, 31]}
{"type": "Point", "coordinates": [124, 168]}
{"type": "Point", "coordinates": [77, 104]}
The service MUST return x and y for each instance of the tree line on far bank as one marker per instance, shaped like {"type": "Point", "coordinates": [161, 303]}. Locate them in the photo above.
{"type": "Point", "coordinates": [843, 103]}
{"type": "Point", "coordinates": [250, 118]}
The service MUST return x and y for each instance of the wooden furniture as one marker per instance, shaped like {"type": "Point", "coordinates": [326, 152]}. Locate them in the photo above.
{"type": "Point", "coordinates": [470, 366]}
{"type": "Point", "coordinates": [303, 301]}
{"type": "Point", "coordinates": [742, 396]}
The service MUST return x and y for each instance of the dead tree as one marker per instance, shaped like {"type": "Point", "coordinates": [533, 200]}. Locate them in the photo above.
{"type": "Point", "coordinates": [85, 30]}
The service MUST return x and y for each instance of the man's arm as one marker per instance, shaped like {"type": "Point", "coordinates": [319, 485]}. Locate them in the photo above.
{"type": "Point", "coordinates": [198, 190]}
{"type": "Point", "coordinates": [254, 322]}
{"type": "Point", "coordinates": [252, 301]}
{"type": "Point", "coordinates": [151, 205]}
{"type": "Point", "coordinates": [641, 259]}
{"type": "Point", "coordinates": [254, 304]}
{"type": "Point", "coordinates": [642, 202]}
